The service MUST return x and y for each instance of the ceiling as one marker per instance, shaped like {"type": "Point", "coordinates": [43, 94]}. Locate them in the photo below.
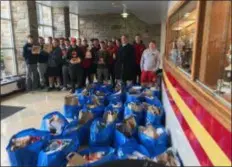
{"type": "Point", "coordinates": [151, 12]}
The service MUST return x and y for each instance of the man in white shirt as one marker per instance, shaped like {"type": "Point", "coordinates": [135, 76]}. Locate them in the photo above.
{"type": "Point", "coordinates": [149, 64]}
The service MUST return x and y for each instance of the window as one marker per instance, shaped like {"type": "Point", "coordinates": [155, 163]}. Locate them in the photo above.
{"type": "Point", "coordinates": [74, 31]}
{"type": "Point", "coordinates": [181, 35]}
{"type": "Point", "coordinates": [44, 16]}
{"type": "Point", "coordinates": [8, 62]}
{"type": "Point", "coordinates": [215, 62]}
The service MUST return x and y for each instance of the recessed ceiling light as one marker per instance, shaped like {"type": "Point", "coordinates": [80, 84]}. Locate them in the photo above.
{"type": "Point", "coordinates": [186, 14]}
{"type": "Point", "coordinates": [124, 15]}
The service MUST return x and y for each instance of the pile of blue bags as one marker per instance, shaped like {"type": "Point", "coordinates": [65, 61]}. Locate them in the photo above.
{"type": "Point", "coordinates": [110, 124]}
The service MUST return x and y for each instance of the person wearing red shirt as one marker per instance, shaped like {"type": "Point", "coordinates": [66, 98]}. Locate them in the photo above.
{"type": "Point", "coordinates": [112, 50]}
{"type": "Point", "coordinates": [139, 48]}
{"type": "Point", "coordinates": [86, 64]}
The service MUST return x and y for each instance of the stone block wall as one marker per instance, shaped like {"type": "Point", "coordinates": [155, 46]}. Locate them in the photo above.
{"type": "Point", "coordinates": [106, 26]}
{"type": "Point", "coordinates": [58, 22]}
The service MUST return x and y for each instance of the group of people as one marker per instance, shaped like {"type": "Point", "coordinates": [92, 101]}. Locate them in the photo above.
{"type": "Point", "coordinates": [70, 63]}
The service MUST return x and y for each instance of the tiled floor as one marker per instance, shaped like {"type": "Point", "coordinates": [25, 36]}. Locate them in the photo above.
{"type": "Point", "coordinates": [36, 104]}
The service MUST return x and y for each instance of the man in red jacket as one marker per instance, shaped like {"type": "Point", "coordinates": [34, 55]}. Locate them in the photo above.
{"type": "Point", "coordinates": [139, 48]}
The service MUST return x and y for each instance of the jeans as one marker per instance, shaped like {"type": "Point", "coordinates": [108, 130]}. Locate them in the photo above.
{"type": "Point", "coordinates": [42, 68]}
{"type": "Point", "coordinates": [76, 75]}
{"type": "Point", "coordinates": [65, 73]}
{"type": "Point", "coordinates": [102, 74]}
{"type": "Point", "coordinates": [32, 77]}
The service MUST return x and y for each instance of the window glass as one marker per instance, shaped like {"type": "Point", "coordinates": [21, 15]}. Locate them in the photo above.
{"type": "Point", "coordinates": [7, 63]}
{"type": "Point", "coordinates": [74, 33]}
{"type": "Point", "coordinates": [6, 34]}
{"type": "Point", "coordinates": [215, 67]}
{"type": "Point", "coordinates": [181, 36]}
{"type": "Point", "coordinates": [5, 9]}
{"type": "Point", "coordinates": [47, 15]}
{"type": "Point", "coordinates": [73, 21]}
{"type": "Point", "coordinates": [47, 31]}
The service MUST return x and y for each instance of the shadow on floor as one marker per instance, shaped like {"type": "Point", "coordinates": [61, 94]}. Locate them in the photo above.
{"type": "Point", "coordinates": [7, 111]}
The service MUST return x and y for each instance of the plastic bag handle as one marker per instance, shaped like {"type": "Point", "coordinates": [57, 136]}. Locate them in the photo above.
{"type": "Point", "coordinates": [70, 155]}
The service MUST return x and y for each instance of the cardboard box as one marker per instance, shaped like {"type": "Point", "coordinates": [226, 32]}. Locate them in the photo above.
{"type": "Point", "coordinates": [35, 49]}
{"type": "Point", "coordinates": [75, 159]}
{"type": "Point", "coordinates": [47, 48]}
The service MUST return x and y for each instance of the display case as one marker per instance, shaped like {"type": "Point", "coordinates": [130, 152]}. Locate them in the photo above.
{"type": "Point", "coordinates": [198, 53]}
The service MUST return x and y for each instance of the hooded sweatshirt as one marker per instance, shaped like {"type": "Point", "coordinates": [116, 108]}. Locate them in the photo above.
{"type": "Point", "coordinates": [150, 60]}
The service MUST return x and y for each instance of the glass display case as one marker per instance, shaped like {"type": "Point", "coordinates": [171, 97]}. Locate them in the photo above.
{"type": "Point", "coordinates": [181, 35]}
{"type": "Point", "coordinates": [198, 50]}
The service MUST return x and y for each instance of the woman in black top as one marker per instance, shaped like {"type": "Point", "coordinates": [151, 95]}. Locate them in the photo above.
{"type": "Point", "coordinates": [54, 65]}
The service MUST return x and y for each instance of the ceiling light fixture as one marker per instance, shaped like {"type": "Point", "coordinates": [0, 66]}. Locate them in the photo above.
{"type": "Point", "coordinates": [124, 13]}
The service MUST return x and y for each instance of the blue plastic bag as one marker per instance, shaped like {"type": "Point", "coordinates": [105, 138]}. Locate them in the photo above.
{"type": "Point", "coordinates": [120, 138]}
{"type": "Point", "coordinates": [98, 110]}
{"type": "Point", "coordinates": [108, 155]}
{"type": "Point", "coordinates": [129, 148]}
{"type": "Point", "coordinates": [115, 96]}
{"type": "Point", "coordinates": [101, 133]}
{"type": "Point", "coordinates": [57, 157]}
{"type": "Point", "coordinates": [28, 155]}
{"type": "Point", "coordinates": [154, 119]}
{"type": "Point", "coordinates": [76, 130]}
{"type": "Point", "coordinates": [153, 100]}
{"type": "Point", "coordinates": [139, 115]}
{"type": "Point", "coordinates": [58, 126]}
{"type": "Point", "coordinates": [155, 146]}
{"type": "Point", "coordinates": [70, 111]}
{"type": "Point", "coordinates": [115, 107]}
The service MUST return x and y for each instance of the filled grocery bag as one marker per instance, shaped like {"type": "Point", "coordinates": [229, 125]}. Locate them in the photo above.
{"type": "Point", "coordinates": [132, 150]}
{"type": "Point", "coordinates": [95, 106]}
{"type": "Point", "coordinates": [150, 97]}
{"type": "Point", "coordinates": [54, 122]}
{"type": "Point", "coordinates": [134, 94]}
{"type": "Point", "coordinates": [24, 147]}
{"type": "Point", "coordinates": [135, 108]}
{"type": "Point", "coordinates": [125, 132]}
{"type": "Point", "coordinates": [94, 156]}
{"type": "Point", "coordinates": [154, 139]}
{"type": "Point", "coordinates": [114, 111]}
{"type": "Point", "coordinates": [55, 151]}
{"type": "Point", "coordinates": [168, 158]}
{"type": "Point", "coordinates": [71, 106]}
{"type": "Point", "coordinates": [101, 132]}
{"type": "Point", "coordinates": [83, 95]}
{"type": "Point", "coordinates": [153, 115]}
{"type": "Point", "coordinates": [80, 127]}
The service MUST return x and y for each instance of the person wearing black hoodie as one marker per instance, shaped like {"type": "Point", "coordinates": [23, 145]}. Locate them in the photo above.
{"type": "Point", "coordinates": [125, 62]}
{"type": "Point", "coordinates": [31, 63]}
{"type": "Point", "coordinates": [75, 57]}
{"type": "Point", "coordinates": [42, 63]}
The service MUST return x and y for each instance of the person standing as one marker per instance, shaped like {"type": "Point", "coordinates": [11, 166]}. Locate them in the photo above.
{"type": "Point", "coordinates": [125, 62]}
{"type": "Point", "coordinates": [111, 61]}
{"type": "Point", "coordinates": [102, 63]}
{"type": "Point", "coordinates": [54, 64]}
{"type": "Point", "coordinates": [79, 42]}
{"type": "Point", "coordinates": [139, 48]}
{"type": "Point", "coordinates": [42, 63]}
{"type": "Point", "coordinates": [86, 64]}
{"type": "Point", "coordinates": [31, 59]}
{"type": "Point", "coordinates": [65, 65]}
{"type": "Point", "coordinates": [149, 64]}
{"type": "Point", "coordinates": [75, 57]}
{"type": "Point", "coordinates": [94, 50]}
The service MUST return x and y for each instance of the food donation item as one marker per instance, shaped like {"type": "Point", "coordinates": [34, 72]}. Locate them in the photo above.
{"type": "Point", "coordinates": [90, 158]}
{"type": "Point", "coordinates": [168, 158]}
{"type": "Point", "coordinates": [71, 100]}
{"type": "Point", "coordinates": [55, 124]}
{"type": "Point", "coordinates": [150, 131]}
{"type": "Point", "coordinates": [21, 142]}
{"type": "Point", "coordinates": [56, 145]}
{"type": "Point", "coordinates": [136, 107]}
{"type": "Point", "coordinates": [110, 116]}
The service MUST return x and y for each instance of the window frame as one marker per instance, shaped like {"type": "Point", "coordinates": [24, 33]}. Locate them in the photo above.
{"type": "Point", "coordinates": [75, 29]}
{"type": "Point", "coordinates": [13, 48]}
{"type": "Point", "coordinates": [41, 16]}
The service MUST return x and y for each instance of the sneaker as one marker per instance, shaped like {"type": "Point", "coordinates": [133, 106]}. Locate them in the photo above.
{"type": "Point", "coordinates": [64, 89]}
{"type": "Point", "coordinates": [58, 88]}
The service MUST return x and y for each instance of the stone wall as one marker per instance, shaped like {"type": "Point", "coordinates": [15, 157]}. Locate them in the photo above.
{"type": "Point", "coordinates": [66, 22]}
{"type": "Point", "coordinates": [106, 26]}
{"type": "Point", "coordinates": [58, 22]}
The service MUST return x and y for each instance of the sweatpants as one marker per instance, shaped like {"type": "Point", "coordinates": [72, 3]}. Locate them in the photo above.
{"type": "Point", "coordinates": [42, 68]}
{"type": "Point", "coordinates": [76, 75]}
{"type": "Point", "coordinates": [102, 74]}
{"type": "Point", "coordinates": [32, 77]}
{"type": "Point", "coordinates": [65, 73]}
{"type": "Point", "coordinates": [86, 74]}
